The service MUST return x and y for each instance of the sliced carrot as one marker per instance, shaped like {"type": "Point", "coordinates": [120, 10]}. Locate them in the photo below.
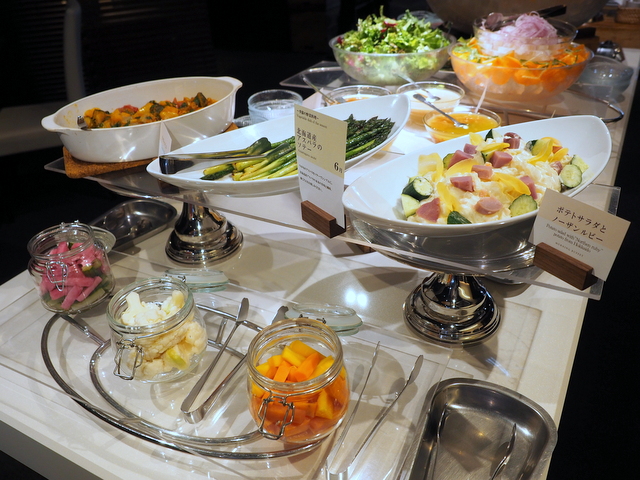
{"type": "Point", "coordinates": [283, 372]}
{"type": "Point", "coordinates": [307, 367]}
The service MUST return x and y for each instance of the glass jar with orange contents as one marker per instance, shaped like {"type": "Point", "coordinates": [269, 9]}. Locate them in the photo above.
{"type": "Point", "coordinates": [297, 384]}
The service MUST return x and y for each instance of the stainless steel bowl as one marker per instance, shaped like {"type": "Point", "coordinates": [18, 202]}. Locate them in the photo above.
{"type": "Point", "coordinates": [469, 426]}
{"type": "Point", "coordinates": [462, 13]}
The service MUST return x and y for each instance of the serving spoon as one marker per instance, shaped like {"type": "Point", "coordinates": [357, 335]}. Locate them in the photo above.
{"type": "Point", "coordinates": [329, 100]}
{"type": "Point", "coordinates": [458, 124]}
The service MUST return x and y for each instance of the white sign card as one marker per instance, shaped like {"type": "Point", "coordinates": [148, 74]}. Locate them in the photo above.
{"type": "Point", "coordinates": [320, 147]}
{"type": "Point", "coordinates": [581, 231]}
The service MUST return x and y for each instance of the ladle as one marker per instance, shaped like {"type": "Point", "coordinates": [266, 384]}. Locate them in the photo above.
{"type": "Point", "coordinates": [432, 97]}
{"type": "Point", "coordinates": [421, 98]}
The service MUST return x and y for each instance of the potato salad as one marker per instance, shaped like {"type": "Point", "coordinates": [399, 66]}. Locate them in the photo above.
{"type": "Point", "coordinates": [492, 178]}
{"type": "Point", "coordinates": [173, 349]}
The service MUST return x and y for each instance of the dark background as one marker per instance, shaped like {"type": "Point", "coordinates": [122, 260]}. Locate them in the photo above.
{"type": "Point", "coordinates": [262, 43]}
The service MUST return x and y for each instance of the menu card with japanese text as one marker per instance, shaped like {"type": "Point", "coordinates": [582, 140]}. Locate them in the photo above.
{"type": "Point", "coordinates": [579, 230]}
{"type": "Point", "coordinates": [320, 147]}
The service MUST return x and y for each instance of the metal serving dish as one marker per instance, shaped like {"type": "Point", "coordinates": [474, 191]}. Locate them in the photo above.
{"type": "Point", "coordinates": [135, 220]}
{"type": "Point", "coordinates": [475, 419]}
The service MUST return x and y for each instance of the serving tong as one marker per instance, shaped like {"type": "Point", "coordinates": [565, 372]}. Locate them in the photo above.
{"type": "Point", "coordinates": [174, 163]}
{"type": "Point", "coordinates": [195, 415]}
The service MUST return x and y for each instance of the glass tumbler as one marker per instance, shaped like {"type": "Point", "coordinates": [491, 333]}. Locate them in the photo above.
{"type": "Point", "coordinates": [157, 332]}
{"type": "Point", "coordinates": [70, 268]}
{"type": "Point", "coordinates": [298, 386]}
{"type": "Point", "coordinates": [270, 104]}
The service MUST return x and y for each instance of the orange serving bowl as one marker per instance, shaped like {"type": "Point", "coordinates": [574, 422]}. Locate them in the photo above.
{"type": "Point", "coordinates": [509, 79]}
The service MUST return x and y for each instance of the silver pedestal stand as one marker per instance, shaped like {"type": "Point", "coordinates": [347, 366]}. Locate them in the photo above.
{"type": "Point", "coordinates": [202, 236]}
{"type": "Point", "coordinates": [452, 310]}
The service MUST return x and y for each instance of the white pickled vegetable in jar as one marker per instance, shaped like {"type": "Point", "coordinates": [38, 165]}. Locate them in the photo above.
{"type": "Point", "coordinates": [157, 332]}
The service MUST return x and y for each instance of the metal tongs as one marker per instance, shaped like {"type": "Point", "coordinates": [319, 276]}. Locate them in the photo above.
{"type": "Point", "coordinates": [198, 413]}
{"type": "Point", "coordinates": [170, 164]}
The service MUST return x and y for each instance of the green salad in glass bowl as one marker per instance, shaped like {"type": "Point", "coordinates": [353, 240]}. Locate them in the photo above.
{"type": "Point", "coordinates": [382, 50]}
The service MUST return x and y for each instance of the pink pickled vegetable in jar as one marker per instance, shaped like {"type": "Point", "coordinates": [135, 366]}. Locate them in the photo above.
{"type": "Point", "coordinates": [70, 268]}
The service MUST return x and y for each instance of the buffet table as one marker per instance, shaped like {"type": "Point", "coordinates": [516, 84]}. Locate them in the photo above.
{"type": "Point", "coordinates": [532, 352]}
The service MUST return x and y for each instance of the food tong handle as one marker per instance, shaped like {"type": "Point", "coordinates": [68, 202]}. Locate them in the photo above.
{"type": "Point", "coordinates": [197, 414]}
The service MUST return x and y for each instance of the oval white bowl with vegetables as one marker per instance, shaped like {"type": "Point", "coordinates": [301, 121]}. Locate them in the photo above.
{"type": "Point", "coordinates": [395, 108]}
{"type": "Point", "coordinates": [446, 191]}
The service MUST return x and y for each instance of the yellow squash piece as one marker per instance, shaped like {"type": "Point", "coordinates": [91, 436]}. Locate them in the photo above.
{"type": "Point", "coordinates": [431, 163]}
{"type": "Point", "coordinates": [511, 184]}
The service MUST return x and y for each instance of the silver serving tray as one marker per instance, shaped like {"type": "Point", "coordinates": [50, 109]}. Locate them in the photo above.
{"type": "Point", "coordinates": [135, 220]}
{"type": "Point", "coordinates": [478, 420]}
{"type": "Point", "coordinates": [84, 370]}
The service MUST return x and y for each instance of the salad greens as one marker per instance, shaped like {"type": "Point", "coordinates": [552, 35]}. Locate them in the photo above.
{"type": "Point", "coordinates": [380, 34]}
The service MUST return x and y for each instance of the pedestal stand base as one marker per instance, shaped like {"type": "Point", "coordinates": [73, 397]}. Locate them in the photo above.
{"type": "Point", "coordinates": [452, 310]}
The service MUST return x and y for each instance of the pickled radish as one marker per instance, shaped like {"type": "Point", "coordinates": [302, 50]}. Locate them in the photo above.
{"type": "Point", "coordinates": [71, 281]}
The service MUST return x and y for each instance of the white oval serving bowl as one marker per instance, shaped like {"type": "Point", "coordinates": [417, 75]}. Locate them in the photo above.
{"type": "Point", "coordinates": [139, 142]}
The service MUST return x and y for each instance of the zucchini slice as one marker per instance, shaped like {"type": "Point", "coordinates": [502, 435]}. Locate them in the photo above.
{"type": "Point", "coordinates": [217, 171]}
{"type": "Point", "coordinates": [580, 163]}
{"type": "Point", "coordinates": [456, 218]}
{"type": "Point", "coordinates": [447, 160]}
{"type": "Point", "coordinates": [418, 188]}
{"type": "Point", "coordinates": [488, 135]}
{"type": "Point", "coordinates": [409, 205]}
{"type": "Point", "coordinates": [523, 204]}
{"type": "Point", "coordinates": [571, 176]}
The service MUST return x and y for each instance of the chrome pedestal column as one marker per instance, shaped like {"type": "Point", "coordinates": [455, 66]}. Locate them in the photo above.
{"type": "Point", "coordinates": [202, 236]}
{"type": "Point", "coordinates": [452, 310]}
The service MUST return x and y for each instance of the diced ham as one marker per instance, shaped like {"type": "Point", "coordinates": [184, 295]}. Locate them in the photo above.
{"type": "Point", "coordinates": [458, 156]}
{"type": "Point", "coordinates": [484, 171]}
{"type": "Point", "coordinates": [470, 149]}
{"type": "Point", "coordinates": [528, 181]}
{"type": "Point", "coordinates": [500, 159]}
{"type": "Point", "coordinates": [557, 166]}
{"type": "Point", "coordinates": [463, 182]}
{"type": "Point", "coordinates": [430, 211]}
{"type": "Point", "coordinates": [513, 139]}
{"type": "Point", "coordinates": [488, 206]}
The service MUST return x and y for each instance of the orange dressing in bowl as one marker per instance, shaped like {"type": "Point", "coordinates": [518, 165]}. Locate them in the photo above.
{"type": "Point", "coordinates": [441, 128]}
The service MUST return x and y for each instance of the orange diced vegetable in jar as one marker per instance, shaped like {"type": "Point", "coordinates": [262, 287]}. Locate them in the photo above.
{"type": "Point", "coordinates": [292, 357]}
{"type": "Point", "coordinates": [312, 414]}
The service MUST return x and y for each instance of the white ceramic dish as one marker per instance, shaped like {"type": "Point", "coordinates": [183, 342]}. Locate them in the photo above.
{"type": "Point", "coordinates": [138, 142]}
{"type": "Point", "coordinates": [395, 107]}
{"type": "Point", "coordinates": [374, 197]}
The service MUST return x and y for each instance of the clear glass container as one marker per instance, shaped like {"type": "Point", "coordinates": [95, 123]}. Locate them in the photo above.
{"type": "Point", "coordinates": [70, 268]}
{"type": "Point", "coordinates": [447, 97]}
{"type": "Point", "coordinates": [298, 386]}
{"type": "Point", "coordinates": [351, 93]}
{"type": "Point", "coordinates": [157, 332]}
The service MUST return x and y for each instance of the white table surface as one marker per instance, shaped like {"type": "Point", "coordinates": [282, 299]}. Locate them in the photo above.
{"type": "Point", "coordinates": [535, 344]}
